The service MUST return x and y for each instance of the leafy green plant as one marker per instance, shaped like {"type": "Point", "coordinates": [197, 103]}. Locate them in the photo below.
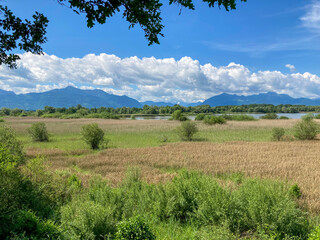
{"type": "Point", "coordinates": [39, 132]}
{"type": "Point", "coordinates": [9, 141]}
{"type": "Point", "coordinates": [211, 120]}
{"type": "Point", "coordinates": [306, 129]}
{"type": "Point", "coordinates": [85, 219]}
{"type": "Point", "coordinates": [1, 120]}
{"type": "Point", "coordinates": [270, 116]}
{"type": "Point", "coordinates": [93, 135]}
{"type": "Point", "coordinates": [283, 118]}
{"type": "Point", "coordinates": [200, 117]}
{"type": "Point", "coordinates": [277, 133]}
{"type": "Point", "coordinates": [135, 228]}
{"type": "Point", "coordinates": [315, 234]}
{"type": "Point", "coordinates": [295, 191]}
{"type": "Point", "coordinates": [176, 115]}
{"type": "Point", "coordinates": [186, 130]}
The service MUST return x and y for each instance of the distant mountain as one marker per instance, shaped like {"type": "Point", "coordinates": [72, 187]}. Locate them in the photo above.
{"type": "Point", "coordinates": [70, 96]}
{"type": "Point", "coordinates": [159, 104]}
{"type": "Point", "coordinates": [66, 97]}
{"type": "Point", "coordinates": [262, 98]}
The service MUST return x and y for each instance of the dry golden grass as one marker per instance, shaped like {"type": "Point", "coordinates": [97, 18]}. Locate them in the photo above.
{"type": "Point", "coordinates": [297, 162]}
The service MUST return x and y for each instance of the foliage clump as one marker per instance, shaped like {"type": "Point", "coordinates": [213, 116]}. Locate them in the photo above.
{"type": "Point", "coordinates": [39, 132]}
{"type": "Point", "coordinates": [134, 229]}
{"type": "Point", "coordinates": [177, 115]}
{"type": "Point", "coordinates": [270, 116]}
{"type": "Point", "coordinates": [9, 141]}
{"type": "Point", "coordinates": [277, 133]}
{"type": "Point", "coordinates": [93, 135]}
{"type": "Point", "coordinates": [212, 120]}
{"type": "Point", "coordinates": [186, 130]}
{"type": "Point", "coordinates": [306, 129]}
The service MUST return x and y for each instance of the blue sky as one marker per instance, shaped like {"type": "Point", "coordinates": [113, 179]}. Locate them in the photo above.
{"type": "Point", "coordinates": [271, 45]}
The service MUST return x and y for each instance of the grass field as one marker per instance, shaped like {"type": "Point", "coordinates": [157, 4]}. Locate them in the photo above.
{"type": "Point", "coordinates": [153, 145]}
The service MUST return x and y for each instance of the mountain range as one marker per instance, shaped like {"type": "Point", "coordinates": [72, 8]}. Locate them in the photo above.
{"type": "Point", "coordinates": [71, 96]}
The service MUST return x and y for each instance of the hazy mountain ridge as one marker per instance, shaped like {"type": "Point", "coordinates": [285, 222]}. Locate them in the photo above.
{"type": "Point", "coordinates": [71, 96]}
{"type": "Point", "coordinates": [66, 97]}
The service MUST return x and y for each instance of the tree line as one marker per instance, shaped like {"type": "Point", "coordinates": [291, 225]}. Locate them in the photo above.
{"type": "Point", "coordinates": [158, 110]}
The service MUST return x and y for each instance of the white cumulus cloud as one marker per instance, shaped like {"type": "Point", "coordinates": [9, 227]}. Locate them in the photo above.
{"type": "Point", "coordinates": [168, 79]}
{"type": "Point", "coordinates": [291, 67]}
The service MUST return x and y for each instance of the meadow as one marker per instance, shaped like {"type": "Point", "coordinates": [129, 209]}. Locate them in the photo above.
{"type": "Point", "coordinates": [229, 153]}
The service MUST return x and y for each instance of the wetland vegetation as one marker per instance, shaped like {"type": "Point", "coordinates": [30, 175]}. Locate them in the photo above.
{"type": "Point", "coordinates": [231, 181]}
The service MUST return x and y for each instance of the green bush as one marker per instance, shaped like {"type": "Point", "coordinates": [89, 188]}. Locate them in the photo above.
{"type": "Point", "coordinates": [38, 132]}
{"type": "Point", "coordinates": [317, 116]}
{"type": "Point", "coordinates": [270, 116]}
{"type": "Point", "coordinates": [200, 117]}
{"type": "Point", "coordinates": [87, 220]}
{"type": "Point", "coordinates": [306, 129]}
{"type": "Point", "coordinates": [93, 135]}
{"type": "Point", "coordinates": [265, 204]}
{"type": "Point", "coordinates": [176, 115]}
{"type": "Point", "coordinates": [134, 229]}
{"type": "Point", "coordinates": [31, 226]}
{"type": "Point", "coordinates": [277, 133]}
{"type": "Point", "coordinates": [283, 118]}
{"type": "Point", "coordinates": [308, 117]}
{"type": "Point", "coordinates": [1, 120]}
{"type": "Point", "coordinates": [187, 130]}
{"type": "Point", "coordinates": [183, 118]}
{"type": "Point", "coordinates": [295, 191]}
{"type": "Point", "coordinates": [9, 141]}
{"type": "Point", "coordinates": [211, 120]}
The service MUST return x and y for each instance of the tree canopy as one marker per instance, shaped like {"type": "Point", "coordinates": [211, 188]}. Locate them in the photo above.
{"type": "Point", "coordinates": [29, 35]}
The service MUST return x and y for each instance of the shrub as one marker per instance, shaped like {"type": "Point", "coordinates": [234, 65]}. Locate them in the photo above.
{"type": "Point", "coordinates": [38, 132]}
{"type": "Point", "coordinates": [306, 129]}
{"type": "Point", "coordinates": [183, 118]}
{"type": "Point", "coordinates": [87, 220]}
{"type": "Point", "coordinates": [9, 141]}
{"type": "Point", "coordinates": [277, 133]}
{"type": "Point", "coordinates": [270, 116]}
{"type": "Point", "coordinates": [317, 116]}
{"type": "Point", "coordinates": [307, 117]}
{"type": "Point", "coordinates": [187, 130]}
{"type": "Point", "coordinates": [268, 205]}
{"type": "Point", "coordinates": [295, 191]}
{"type": "Point", "coordinates": [134, 229]}
{"type": "Point", "coordinates": [31, 226]}
{"type": "Point", "coordinates": [211, 120]}
{"type": "Point", "coordinates": [1, 120]}
{"type": "Point", "coordinates": [93, 135]}
{"type": "Point", "coordinates": [176, 115]}
{"type": "Point", "coordinates": [200, 117]}
{"type": "Point", "coordinates": [283, 118]}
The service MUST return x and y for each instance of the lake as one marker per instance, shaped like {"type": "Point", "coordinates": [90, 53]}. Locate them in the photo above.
{"type": "Point", "coordinates": [255, 115]}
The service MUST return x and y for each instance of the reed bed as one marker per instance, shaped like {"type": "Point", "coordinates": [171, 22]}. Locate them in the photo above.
{"type": "Point", "coordinates": [295, 162]}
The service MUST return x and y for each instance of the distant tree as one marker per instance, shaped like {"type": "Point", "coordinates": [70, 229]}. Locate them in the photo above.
{"type": "Point", "coordinates": [29, 35]}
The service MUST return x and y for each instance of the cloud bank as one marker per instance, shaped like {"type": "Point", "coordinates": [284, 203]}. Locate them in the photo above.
{"type": "Point", "coordinates": [153, 79]}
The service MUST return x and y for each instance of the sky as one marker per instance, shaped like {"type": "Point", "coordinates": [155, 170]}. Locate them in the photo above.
{"type": "Point", "coordinates": [262, 46]}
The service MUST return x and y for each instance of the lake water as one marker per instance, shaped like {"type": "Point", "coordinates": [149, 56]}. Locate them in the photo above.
{"type": "Point", "coordinates": [255, 115]}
